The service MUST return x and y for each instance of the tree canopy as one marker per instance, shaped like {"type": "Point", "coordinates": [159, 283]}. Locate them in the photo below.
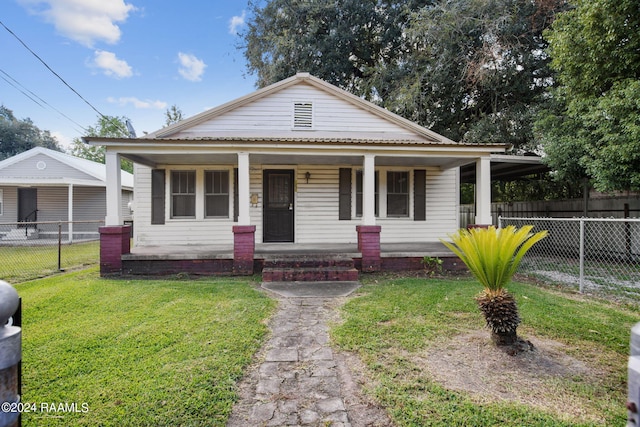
{"type": "Point", "coordinates": [471, 70]}
{"type": "Point", "coordinates": [108, 127]}
{"type": "Point", "coordinates": [593, 129]}
{"type": "Point", "coordinates": [17, 136]}
{"type": "Point", "coordinates": [172, 115]}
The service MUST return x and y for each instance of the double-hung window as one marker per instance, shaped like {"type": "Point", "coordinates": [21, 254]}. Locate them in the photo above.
{"type": "Point", "coordinates": [183, 194]}
{"type": "Point", "coordinates": [397, 194]}
{"type": "Point", "coordinates": [216, 194]}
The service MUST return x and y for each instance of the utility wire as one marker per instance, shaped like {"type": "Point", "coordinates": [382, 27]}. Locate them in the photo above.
{"type": "Point", "coordinates": [50, 69]}
{"type": "Point", "coordinates": [14, 82]}
{"type": "Point", "coordinates": [60, 78]}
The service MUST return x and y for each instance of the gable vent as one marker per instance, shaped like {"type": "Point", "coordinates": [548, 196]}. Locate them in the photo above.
{"type": "Point", "coordinates": [303, 115]}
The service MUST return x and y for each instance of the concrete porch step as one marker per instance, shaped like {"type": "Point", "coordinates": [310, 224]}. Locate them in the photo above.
{"type": "Point", "coordinates": [309, 268]}
{"type": "Point", "coordinates": [308, 261]}
{"type": "Point", "coordinates": [310, 274]}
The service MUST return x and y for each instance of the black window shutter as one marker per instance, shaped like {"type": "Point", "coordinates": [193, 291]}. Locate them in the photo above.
{"type": "Point", "coordinates": [344, 202]}
{"type": "Point", "coordinates": [157, 196]}
{"type": "Point", "coordinates": [236, 208]}
{"type": "Point", "coordinates": [419, 195]}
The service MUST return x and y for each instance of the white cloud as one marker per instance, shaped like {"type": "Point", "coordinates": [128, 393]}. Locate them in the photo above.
{"type": "Point", "coordinates": [236, 22]}
{"type": "Point", "coordinates": [85, 21]}
{"type": "Point", "coordinates": [64, 140]}
{"type": "Point", "coordinates": [191, 68]}
{"type": "Point", "coordinates": [146, 104]}
{"type": "Point", "coordinates": [111, 65]}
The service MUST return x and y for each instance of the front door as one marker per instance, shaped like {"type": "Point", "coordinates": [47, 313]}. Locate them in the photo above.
{"type": "Point", "coordinates": [27, 204]}
{"type": "Point", "coordinates": [278, 206]}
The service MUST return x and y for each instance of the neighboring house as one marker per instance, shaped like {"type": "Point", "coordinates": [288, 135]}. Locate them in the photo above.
{"type": "Point", "coordinates": [42, 185]}
{"type": "Point", "coordinates": [300, 162]}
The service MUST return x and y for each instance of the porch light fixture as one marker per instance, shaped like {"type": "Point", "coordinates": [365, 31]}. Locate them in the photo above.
{"type": "Point", "coordinates": [307, 175]}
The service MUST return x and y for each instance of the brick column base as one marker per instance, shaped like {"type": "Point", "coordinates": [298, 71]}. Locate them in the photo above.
{"type": "Point", "coordinates": [470, 226]}
{"type": "Point", "coordinates": [244, 246]}
{"type": "Point", "coordinates": [369, 246]}
{"type": "Point", "coordinates": [114, 242]}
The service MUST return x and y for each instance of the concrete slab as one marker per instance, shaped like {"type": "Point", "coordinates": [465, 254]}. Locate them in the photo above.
{"type": "Point", "coordinates": [311, 289]}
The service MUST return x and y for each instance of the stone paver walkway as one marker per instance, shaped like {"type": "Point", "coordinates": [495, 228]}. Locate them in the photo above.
{"type": "Point", "coordinates": [300, 380]}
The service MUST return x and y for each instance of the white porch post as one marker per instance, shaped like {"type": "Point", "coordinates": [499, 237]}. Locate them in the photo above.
{"type": "Point", "coordinates": [243, 189]}
{"type": "Point", "coordinates": [114, 189]}
{"type": "Point", "coordinates": [483, 191]}
{"type": "Point", "coordinates": [70, 214]}
{"type": "Point", "coordinates": [369, 190]}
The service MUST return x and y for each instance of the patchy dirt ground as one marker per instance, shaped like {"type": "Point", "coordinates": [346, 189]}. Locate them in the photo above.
{"type": "Point", "coordinates": [471, 363]}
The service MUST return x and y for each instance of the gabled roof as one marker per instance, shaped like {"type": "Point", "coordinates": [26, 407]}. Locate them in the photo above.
{"type": "Point", "coordinates": [307, 79]}
{"type": "Point", "coordinates": [88, 167]}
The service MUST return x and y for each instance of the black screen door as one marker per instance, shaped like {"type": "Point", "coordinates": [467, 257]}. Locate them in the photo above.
{"type": "Point", "coordinates": [278, 206]}
{"type": "Point", "coordinates": [27, 204]}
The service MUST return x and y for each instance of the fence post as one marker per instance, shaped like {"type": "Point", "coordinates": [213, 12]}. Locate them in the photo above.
{"type": "Point", "coordinates": [10, 356]}
{"type": "Point", "coordinates": [499, 221]}
{"type": "Point", "coordinates": [59, 246]}
{"type": "Point", "coordinates": [581, 255]}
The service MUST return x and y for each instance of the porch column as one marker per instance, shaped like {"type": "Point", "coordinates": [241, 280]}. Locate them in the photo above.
{"type": "Point", "coordinates": [369, 190]}
{"type": "Point", "coordinates": [483, 191]}
{"type": "Point", "coordinates": [114, 188]}
{"type": "Point", "coordinates": [369, 232]}
{"type": "Point", "coordinates": [243, 189]}
{"type": "Point", "coordinates": [114, 237]}
{"type": "Point", "coordinates": [70, 213]}
{"type": "Point", "coordinates": [244, 241]}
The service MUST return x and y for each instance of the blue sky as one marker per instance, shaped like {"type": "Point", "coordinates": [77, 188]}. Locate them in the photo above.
{"type": "Point", "coordinates": [132, 58]}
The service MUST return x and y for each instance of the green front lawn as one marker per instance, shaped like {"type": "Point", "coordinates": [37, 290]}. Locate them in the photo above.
{"type": "Point", "coordinates": [22, 263]}
{"type": "Point", "coordinates": [395, 323]}
{"type": "Point", "coordinates": [137, 352]}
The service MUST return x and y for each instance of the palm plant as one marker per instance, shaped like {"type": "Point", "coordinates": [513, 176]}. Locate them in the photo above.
{"type": "Point", "coordinates": [493, 256]}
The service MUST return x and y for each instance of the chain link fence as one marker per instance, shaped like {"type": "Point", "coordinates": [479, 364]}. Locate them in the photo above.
{"type": "Point", "coordinates": [29, 250]}
{"type": "Point", "coordinates": [594, 255]}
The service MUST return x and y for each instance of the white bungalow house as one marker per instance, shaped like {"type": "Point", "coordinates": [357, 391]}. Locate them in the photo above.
{"type": "Point", "coordinates": [42, 186]}
{"type": "Point", "coordinates": [298, 164]}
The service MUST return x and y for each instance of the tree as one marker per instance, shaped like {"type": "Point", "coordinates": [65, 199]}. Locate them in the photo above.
{"type": "Point", "coordinates": [477, 70]}
{"type": "Point", "coordinates": [173, 115]}
{"type": "Point", "coordinates": [472, 70]}
{"type": "Point", "coordinates": [340, 41]}
{"type": "Point", "coordinates": [493, 256]}
{"type": "Point", "coordinates": [593, 128]}
{"type": "Point", "coordinates": [17, 136]}
{"type": "Point", "coordinates": [107, 127]}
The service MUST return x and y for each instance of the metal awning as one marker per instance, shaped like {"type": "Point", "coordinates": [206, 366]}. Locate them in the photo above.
{"type": "Point", "coordinates": [506, 168]}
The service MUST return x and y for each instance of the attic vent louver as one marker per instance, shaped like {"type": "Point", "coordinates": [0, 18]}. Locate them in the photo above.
{"type": "Point", "coordinates": [303, 115]}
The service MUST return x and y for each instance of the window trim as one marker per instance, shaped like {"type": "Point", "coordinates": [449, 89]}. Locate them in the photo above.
{"type": "Point", "coordinates": [407, 193]}
{"type": "Point", "coordinates": [200, 188]}
{"type": "Point", "coordinates": [194, 194]}
{"type": "Point", "coordinates": [228, 193]}
{"type": "Point", "coordinates": [1, 202]}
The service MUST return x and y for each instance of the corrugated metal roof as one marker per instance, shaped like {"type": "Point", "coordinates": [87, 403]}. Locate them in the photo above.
{"type": "Point", "coordinates": [288, 140]}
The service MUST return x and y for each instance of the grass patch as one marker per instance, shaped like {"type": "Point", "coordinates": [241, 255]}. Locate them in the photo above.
{"type": "Point", "coordinates": [22, 263]}
{"type": "Point", "coordinates": [138, 352]}
{"type": "Point", "coordinates": [394, 323]}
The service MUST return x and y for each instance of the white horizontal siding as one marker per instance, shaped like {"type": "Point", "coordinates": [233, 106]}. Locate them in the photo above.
{"type": "Point", "coordinates": [317, 208]}
{"type": "Point", "coordinates": [274, 114]}
{"type": "Point", "coordinates": [9, 204]}
{"type": "Point", "coordinates": [174, 231]}
{"type": "Point", "coordinates": [316, 212]}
